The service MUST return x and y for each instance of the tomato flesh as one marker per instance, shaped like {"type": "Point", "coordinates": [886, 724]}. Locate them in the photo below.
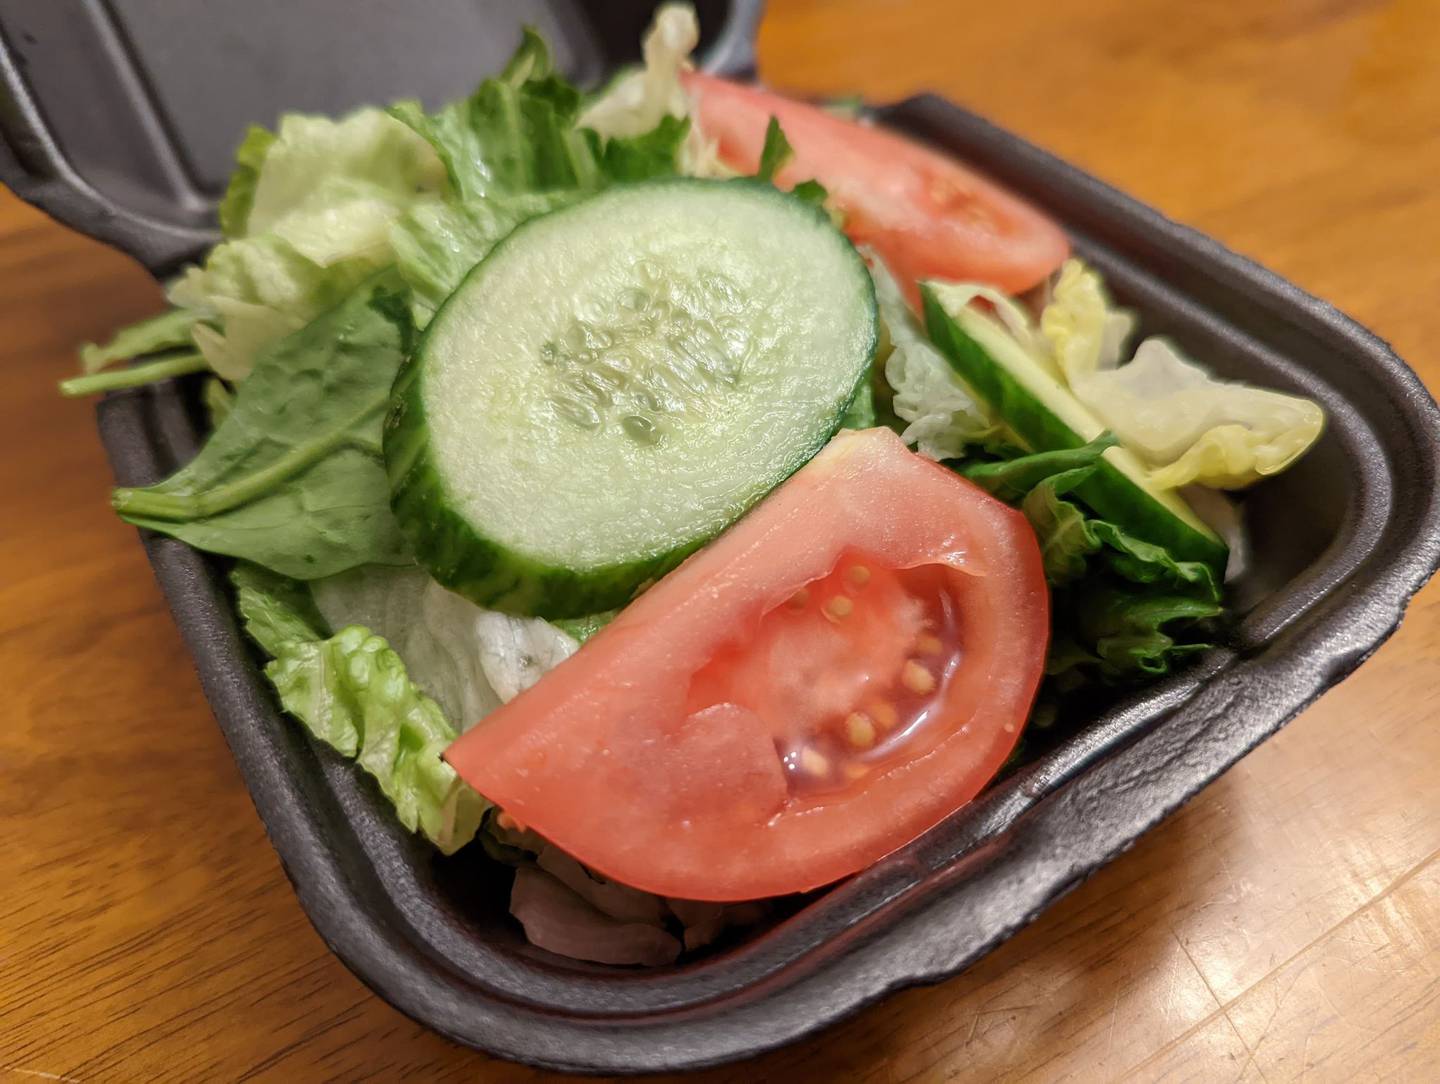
{"type": "Point", "coordinates": [842, 669]}
{"type": "Point", "coordinates": [926, 215]}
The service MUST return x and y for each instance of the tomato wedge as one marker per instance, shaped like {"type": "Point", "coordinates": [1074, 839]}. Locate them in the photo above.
{"type": "Point", "coordinates": [846, 666]}
{"type": "Point", "coordinates": [927, 215]}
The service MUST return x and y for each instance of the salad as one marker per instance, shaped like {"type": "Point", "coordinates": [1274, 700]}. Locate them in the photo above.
{"type": "Point", "coordinates": [685, 494]}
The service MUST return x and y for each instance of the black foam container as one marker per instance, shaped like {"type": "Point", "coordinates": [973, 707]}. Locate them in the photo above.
{"type": "Point", "coordinates": [1341, 544]}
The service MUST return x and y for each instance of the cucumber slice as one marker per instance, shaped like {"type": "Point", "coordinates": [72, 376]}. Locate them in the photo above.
{"type": "Point", "coordinates": [1047, 417]}
{"type": "Point", "coordinates": [619, 380]}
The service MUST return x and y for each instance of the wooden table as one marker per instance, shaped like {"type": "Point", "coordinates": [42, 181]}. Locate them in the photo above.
{"type": "Point", "coordinates": [1286, 924]}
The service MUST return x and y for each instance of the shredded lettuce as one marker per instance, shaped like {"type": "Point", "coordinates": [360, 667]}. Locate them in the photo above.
{"type": "Point", "coordinates": [944, 417]}
{"type": "Point", "coordinates": [352, 692]}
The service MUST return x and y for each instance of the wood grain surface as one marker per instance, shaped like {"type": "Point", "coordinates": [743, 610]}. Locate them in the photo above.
{"type": "Point", "coordinates": [1284, 926]}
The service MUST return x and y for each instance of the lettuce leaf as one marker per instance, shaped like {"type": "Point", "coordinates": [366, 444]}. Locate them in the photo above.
{"type": "Point", "coordinates": [515, 133]}
{"type": "Point", "coordinates": [234, 210]}
{"type": "Point", "coordinates": [292, 479]}
{"type": "Point", "coordinates": [1185, 424]}
{"type": "Point", "coordinates": [1084, 332]}
{"type": "Point", "coordinates": [317, 171]}
{"type": "Point", "coordinates": [652, 98]}
{"type": "Point", "coordinates": [1122, 608]}
{"type": "Point", "coordinates": [944, 417]}
{"type": "Point", "coordinates": [469, 659]}
{"type": "Point", "coordinates": [1193, 428]}
{"type": "Point", "coordinates": [256, 291]}
{"type": "Point", "coordinates": [309, 214]}
{"type": "Point", "coordinates": [437, 243]}
{"type": "Point", "coordinates": [352, 692]}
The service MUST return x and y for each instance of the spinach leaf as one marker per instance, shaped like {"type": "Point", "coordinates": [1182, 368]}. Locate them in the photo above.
{"type": "Point", "coordinates": [293, 479]}
{"type": "Point", "coordinates": [168, 330]}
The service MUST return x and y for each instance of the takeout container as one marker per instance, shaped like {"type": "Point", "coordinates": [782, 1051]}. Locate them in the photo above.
{"type": "Point", "coordinates": [1341, 542]}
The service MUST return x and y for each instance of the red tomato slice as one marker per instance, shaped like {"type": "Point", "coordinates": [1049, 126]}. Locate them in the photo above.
{"type": "Point", "coordinates": [927, 215]}
{"type": "Point", "coordinates": [843, 668]}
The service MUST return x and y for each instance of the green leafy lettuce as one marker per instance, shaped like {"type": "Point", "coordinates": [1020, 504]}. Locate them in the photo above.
{"type": "Point", "coordinates": [437, 243]}
{"type": "Point", "coordinates": [307, 219]}
{"type": "Point", "coordinates": [352, 692]}
{"type": "Point", "coordinates": [513, 149]}
{"type": "Point", "coordinates": [469, 659]}
{"type": "Point", "coordinates": [1122, 608]}
{"type": "Point", "coordinates": [292, 478]}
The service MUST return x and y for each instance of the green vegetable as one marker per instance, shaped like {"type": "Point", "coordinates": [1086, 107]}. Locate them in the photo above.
{"type": "Point", "coordinates": [1122, 608]}
{"type": "Point", "coordinates": [468, 659]}
{"type": "Point", "coordinates": [1013, 477]}
{"type": "Point", "coordinates": [353, 693]}
{"type": "Point", "coordinates": [648, 364]}
{"type": "Point", "coordinates": [861, 413]}
{"type": "Point", "coordinates": [276, 609]}
{"type": "Point", "coordinates": [162, 368]}
{"type": "Point", "coordinates": [167, 331]}
{"type": "Point", "coordinates": [1185, 424]}
{"type": "Point", "coordinates": [943, 418]}
{"type": "Point", "coordinates": [292, 478]}
{"type": "Point", "coordinates": [240, 192]}
{"type": "Point", "coordinates": [436, 244]}
{"type": "Point", "coordinates": [775, 153]}
{"type": "Point", "coordinates": [646, 156]}
{"type": "Point", "coordinates": [219, 400]}
{"type": "Point", "coordinates": [1001, 361]}
{"type": "Point", "coordinates": [582, 628]}
{"type": "Point", "coordinates": [518, 133]}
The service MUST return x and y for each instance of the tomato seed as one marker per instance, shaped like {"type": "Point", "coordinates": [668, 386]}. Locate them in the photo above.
{"type": "Point", "coordinates": [860, 730]}
{"type": "Point", "coordinates": [884, 713]}
{"type": "Point", "coordinates": [813, 762]}
{"type": "Point", "coordinates": [917, 679]}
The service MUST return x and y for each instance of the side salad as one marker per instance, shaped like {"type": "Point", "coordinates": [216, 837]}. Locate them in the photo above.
{"type": "Point", "coordinates": [686, 494]}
